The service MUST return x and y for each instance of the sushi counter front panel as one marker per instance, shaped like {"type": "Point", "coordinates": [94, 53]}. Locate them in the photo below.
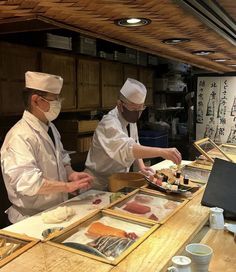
{"type": "Point", "coordinates": [147, 241]}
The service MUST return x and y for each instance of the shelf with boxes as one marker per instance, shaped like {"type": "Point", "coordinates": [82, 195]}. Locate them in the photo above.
{"type": "Point", "coordinates": [76, 136]}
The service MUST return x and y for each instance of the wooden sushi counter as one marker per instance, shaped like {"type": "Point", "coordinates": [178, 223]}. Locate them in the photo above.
{"type": "Point", "coordinates": [188, 224]}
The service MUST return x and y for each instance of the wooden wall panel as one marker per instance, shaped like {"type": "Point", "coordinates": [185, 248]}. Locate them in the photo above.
{"type": "Point", "coordinates": [88, 87]}
{"type": "Point", "coordinates": [64, 66]}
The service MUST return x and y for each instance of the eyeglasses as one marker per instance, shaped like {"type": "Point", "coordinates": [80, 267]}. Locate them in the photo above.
{"type": "Point", "coordinates": [134, 107]}
{"type": "Point", "coordinates": [59, 99]}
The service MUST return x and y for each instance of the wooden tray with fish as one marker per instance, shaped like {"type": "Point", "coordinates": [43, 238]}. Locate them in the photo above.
{"type": "Point", "coordinates": [105, 236]}
{"type": "Point", "coordinates": [12, 245]}
{"type": "Point", "coordinates": [148, 206]}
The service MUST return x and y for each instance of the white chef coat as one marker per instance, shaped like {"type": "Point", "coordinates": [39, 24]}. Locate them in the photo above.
{"type": "Point", "coordinates": [111, 148]}
{"type": "Point", "coordinates": [28, 155]}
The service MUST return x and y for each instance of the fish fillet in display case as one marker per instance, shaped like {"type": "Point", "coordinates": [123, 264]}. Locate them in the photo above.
{"type": "Point", "coordinates": [148, 206]}
{"type": "Point", "coordinates": [105, 236]}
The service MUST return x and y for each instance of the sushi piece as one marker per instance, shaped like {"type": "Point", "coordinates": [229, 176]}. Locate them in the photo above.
{"type": "Point", "coordinates": [135, 207]}
{"type": "Point", "coordinates": [99, 229]}
{"type": "Point", "coordinates": [111, 246]}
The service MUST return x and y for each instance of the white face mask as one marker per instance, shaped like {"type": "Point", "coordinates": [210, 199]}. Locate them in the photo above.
{"type": "Point", "coordinates": [54, 110]}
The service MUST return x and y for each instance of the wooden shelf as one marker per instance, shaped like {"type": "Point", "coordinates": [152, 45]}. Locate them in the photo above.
{"type": "Point", "coordinates": [170, 109]}
{"type": "Point", "coordinates": [170, 92]}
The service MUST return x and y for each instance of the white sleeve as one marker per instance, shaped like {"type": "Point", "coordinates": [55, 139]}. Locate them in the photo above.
{"type": "Point", "coordinates": [20, 168]}
{"type": "Point", "coordinates": [116, 143]}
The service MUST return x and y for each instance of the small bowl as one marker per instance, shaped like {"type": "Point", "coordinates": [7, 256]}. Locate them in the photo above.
{"type": "Point", "coordinates": [47, 232]}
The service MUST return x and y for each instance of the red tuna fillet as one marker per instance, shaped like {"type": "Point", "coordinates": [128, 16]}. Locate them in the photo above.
{"type": "Point", "coordinates": [135, 207]}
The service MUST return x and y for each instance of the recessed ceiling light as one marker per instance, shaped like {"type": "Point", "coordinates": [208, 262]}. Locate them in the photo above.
{"type": "Point", "coordinates": [203, 52]}
{"type": "Point", "coordinates": [130, 22]}
{"type": "Point", "coordinates": [220, 60]}
{"type": "Point", "coordinates": [232, 65]}
{"type": "Point", "coordinates": [174, 41]}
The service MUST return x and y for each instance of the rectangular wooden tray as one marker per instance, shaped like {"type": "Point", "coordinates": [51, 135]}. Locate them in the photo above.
{"type": "Point", "coordinates": [210, 150]}
{"type": "Point", "coordinates": [151, 194]}
{"type": "Point", "coordinates": [115, 221]}
{"type": "Point", "coordinates": [25, 241]}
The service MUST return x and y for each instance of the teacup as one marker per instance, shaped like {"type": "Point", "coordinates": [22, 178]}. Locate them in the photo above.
{"type": "Point", "coordinates": [200, 254]}
{"type": "Point", "coordinates": [180, 264]}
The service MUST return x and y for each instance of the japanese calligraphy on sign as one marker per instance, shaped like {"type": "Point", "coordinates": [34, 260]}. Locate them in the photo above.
{"type": "Point", "coordinates": [216, 109]}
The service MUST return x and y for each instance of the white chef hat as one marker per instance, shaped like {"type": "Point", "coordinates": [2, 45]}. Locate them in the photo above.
{"type": "Point", "coordinates": [134, 91]}
{"type": "Point", "coordinates": [43, 82]}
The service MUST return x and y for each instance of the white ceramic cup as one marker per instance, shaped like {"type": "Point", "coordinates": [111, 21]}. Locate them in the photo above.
{"type": "Point", "coordinates": [200, 255]}
{"type": "Point", "coordinates": [180, 264]}
{"type": "Point", "coordinates": [216, 218]}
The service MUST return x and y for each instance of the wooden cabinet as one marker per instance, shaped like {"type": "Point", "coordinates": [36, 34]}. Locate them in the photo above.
{"type": "Point", "coordinates": [111, 82]}
{"type": "Point", "coordinates": [64, 66]}
{"type": "Point", "coordinates": [146, 77]}
{"type": "Point", "coordinates": [15, 60]}
{"type": "Point", "coordinates": [88, 84]}
{"type": "Point", "coordinates": [130, 71]}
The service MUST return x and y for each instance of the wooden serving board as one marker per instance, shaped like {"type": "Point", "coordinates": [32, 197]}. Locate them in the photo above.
{"type": "Point", "coordinates": [115, 208]}
{"type": "Point", "coordinates": [77, 232]}
{"type": "Point", "coordinates": [224, 250]}
{"type": "Point", "coordinates": [47, 258]}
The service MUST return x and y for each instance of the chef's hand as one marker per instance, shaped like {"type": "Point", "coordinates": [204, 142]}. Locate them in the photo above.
{"type": "Point", "coordinates": [147, 171]}
{"type": "Point", "coordinates": [79, 180]}
{"type": "Point", "coordinates": [171, 154]}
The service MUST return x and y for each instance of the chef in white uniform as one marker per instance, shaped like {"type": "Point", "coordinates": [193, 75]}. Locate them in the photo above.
{"type": "Point", "coordinates": [112, 149]}
{"type": "Point", "coordinates": [35, 167]}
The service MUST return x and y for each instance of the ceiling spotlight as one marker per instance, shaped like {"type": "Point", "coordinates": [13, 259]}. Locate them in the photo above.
{"type": "Point", "coordinates": [203, 52]}
{"type": "Point", "coordinates": [220, 60]}
{"type": "Point", "coordinates": [130, 22]}
{"type": "Point", "coordinates": [174, 41]}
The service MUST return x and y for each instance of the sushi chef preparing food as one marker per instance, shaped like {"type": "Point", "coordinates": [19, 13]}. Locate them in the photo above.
{"type": "Point", "coordinates": [35, 167]}
{"type": "Point", "coordinates": [113, 149]}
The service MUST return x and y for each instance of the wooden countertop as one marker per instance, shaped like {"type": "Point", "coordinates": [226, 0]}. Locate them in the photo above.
{"type": "Point", "coordinates": [224, 250]}
{"type": "Point", "coordinates": [153, 255]}
{"type": "Point", "coordinates": [47, 258]}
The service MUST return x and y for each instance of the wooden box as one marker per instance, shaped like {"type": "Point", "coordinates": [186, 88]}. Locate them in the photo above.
{"type": "Point", "coordinates": [84, 143]}
{"type": "Point", "coordinates": [211, 151]}
{"type": "Point", "coordinates": [151, 206]}
{"type": "Point", "coordinates": [76, 233]}
{"type": "Point", "coordinates": [87, 125]}
{"type": "Point", "coordinates": [16, 243]}
{"type": "Point", "coordinates": [75, 126]}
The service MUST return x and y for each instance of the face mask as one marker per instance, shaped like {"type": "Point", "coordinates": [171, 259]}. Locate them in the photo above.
{"type": "Point", "coordinates": [131, 116]}
{"type": "Point", "coordinates": [54, 110]}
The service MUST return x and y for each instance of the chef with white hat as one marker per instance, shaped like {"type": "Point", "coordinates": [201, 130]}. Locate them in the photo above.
{"type": "Point", "coordinates": [35, 167]}
{"type": "Point", "coordinates": [113, 149]}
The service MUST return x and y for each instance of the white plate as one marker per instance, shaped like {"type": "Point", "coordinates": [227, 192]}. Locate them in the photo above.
{"type": "Point", "coordinates": [231, 227]}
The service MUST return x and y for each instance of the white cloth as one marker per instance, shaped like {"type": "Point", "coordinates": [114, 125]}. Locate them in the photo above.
{"type": "Point", "coordinates": [28, 155]}
{"type": "Point", "coordinates": [111, 149]}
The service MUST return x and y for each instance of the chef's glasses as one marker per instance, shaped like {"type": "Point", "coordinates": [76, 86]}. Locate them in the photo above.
{"type": "Point", "coordinates": [59, 99]}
